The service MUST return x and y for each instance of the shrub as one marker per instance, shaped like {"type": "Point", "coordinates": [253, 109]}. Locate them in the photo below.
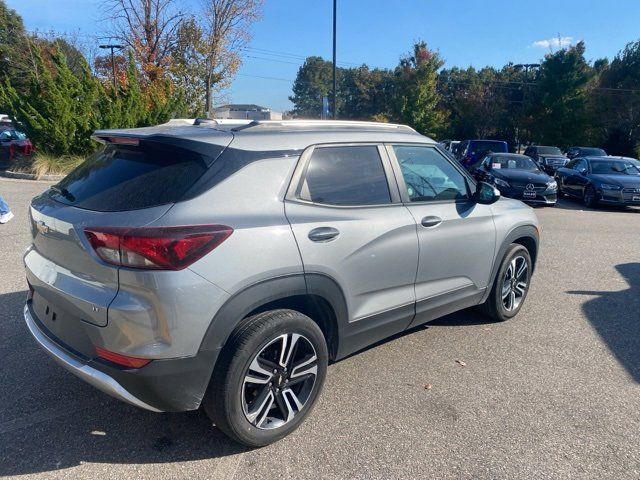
{"type": "Point", "coordinates": [47, 164]}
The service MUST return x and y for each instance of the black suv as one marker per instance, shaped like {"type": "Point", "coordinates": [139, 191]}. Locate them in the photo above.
{"type": "Point", "coordinates": [548, 159]}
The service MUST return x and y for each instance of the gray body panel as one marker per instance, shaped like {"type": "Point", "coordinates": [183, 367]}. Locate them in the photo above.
{"type": "Point", "coordinates": [382, 273]}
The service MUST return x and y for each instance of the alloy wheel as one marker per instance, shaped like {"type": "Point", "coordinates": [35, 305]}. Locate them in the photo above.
{"type": "Point", "coordinates": [279, 381]}
{"type": "Point", "coordinates": [514, 285]}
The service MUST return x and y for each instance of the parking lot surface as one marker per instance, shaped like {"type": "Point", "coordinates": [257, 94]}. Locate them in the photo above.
{"type": "Point", "coordinates": [554, 393]}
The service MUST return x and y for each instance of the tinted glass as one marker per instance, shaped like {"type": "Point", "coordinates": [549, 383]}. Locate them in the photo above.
{"type": "Point", "coordinates": [345, 176]}
{"type": "Point", "coordinates": [428, 175]}
{"type": "Point", "coordinates": [615, 167]}
{"type": "Point", "coordinates": [485, 146]}
{"type": "Point", "coordinates": [130, 178]}
{"type": "Point", "coordinates": [549, 151]}
{"type": "Point", "coordinates": [513, 162]}
{"type": "Point", "coordinates": [592, 152]}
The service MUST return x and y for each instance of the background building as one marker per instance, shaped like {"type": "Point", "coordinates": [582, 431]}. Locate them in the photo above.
{"type": "Point", "coordinates": [245, 112]}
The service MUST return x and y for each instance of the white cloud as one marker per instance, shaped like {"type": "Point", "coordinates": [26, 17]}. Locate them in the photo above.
{"type": "Point", "coordinates": [555, 42]}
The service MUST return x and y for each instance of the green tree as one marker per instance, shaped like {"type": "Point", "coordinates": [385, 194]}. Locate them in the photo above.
{"type": "Point", "coordinates": [313, 81]}
{"type": "Point", "coordinates": [59, 110]}
{"type": "Point", "coordinates": [416, 100]}
{"type": "Point", "coordinates": [616, 103]}
{"type": "Point", "coordinates": [559, 100]}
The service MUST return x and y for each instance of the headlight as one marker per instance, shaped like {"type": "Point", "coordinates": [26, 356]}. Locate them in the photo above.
{"type": "Point", "coordinates": [502, 183]}
{"type": "Point", "coordinates": [552, 184]}
{"type": "Point", "coordinates": [608, 186]}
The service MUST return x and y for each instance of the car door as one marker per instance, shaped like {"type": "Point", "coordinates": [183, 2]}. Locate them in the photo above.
{"type": "Point", "coordinates": [351, 228]}
{"type": "Point", "coordinates": [575, 180]}
{"type": "Point", "coordinates": [456, 235]}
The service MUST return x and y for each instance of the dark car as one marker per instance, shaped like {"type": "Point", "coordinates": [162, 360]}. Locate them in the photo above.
{"type": "Point", "coordinates": [14, 143]}
{"type": "Point", "coordinates": [548, 158]}
{"type": "Point", "coordinates": [470, 152]}
{"type": "Point", "coordinates": [575, 152]}
{"type": "Point", "coordinates": [517, 176]}
{"type": "Point", "coordinates": [610, 180]}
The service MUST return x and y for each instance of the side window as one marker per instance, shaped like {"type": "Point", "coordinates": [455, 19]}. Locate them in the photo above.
{"type": "Point", "coordinates": [345, 176]}
{"type": "Point", "coordinates": [428, 175]}
{"type": "Point", "coordinates": [580, 165]}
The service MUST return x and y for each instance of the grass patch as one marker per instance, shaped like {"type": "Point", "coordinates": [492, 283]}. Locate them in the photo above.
{"type": "Point", "coordinates": [42, 164]}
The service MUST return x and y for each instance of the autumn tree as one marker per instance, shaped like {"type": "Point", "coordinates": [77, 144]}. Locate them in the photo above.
{"type": "Point", "coordinates": [148, 28]}
{"type": "Point", "coordinates": [206, 53]}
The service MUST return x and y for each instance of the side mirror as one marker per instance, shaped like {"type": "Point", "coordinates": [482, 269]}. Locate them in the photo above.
{"type": "Point", "coordinates": [486, 194]}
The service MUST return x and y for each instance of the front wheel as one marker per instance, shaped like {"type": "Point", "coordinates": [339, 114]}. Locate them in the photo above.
{"type": "Point", "coordinates": [589, 197]}
{"type": "Point", "coordinates": [268, 378]}
{"type": "Point", "coordinates": [511, 284]}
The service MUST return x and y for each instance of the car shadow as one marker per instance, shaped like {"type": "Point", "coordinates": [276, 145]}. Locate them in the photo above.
{"type": "Point", "coordinates": [615, 316]}
{"type": "Point", "coordinates": [50, 420]}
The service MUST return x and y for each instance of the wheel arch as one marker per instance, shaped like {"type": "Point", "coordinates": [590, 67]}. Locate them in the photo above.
{"type": "Point", "coordinates": [315, 295]}
{"type": "Point", "coordinates": [525, 235]}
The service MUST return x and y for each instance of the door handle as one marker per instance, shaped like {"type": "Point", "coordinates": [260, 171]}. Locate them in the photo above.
{"type": "Point", "coordinates": [431, 221]}
{"type": "Point", "coordinates": [323, 234]}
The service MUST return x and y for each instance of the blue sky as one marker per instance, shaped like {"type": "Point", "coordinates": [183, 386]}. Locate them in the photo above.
{"type": "Point", "coordinates": [378, 32]}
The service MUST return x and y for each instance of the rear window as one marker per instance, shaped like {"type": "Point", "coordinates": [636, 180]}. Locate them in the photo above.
{"type": "Point", "coordinates": [593, 152]}
{"type": "Point", "coordinates": [549, 151]}
{"type": "Point", "coordinates": [487, 146]}
{"type": "Point", "coordinates": [130, 178]}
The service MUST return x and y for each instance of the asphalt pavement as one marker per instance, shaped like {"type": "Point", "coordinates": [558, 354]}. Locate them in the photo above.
{"type": "Point", "coordinates": [553, 393]}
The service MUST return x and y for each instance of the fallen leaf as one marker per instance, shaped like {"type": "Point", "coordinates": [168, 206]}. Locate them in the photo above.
{"type": "Point", "coordinates": [461, 363]}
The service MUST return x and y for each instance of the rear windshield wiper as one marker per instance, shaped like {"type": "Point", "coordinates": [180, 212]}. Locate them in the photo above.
{"type": "Point", "coordinates": [64, 192]}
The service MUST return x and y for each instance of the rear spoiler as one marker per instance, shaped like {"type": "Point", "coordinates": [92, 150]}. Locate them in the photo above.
{"type": "Point", "coordinates": [209, 151]}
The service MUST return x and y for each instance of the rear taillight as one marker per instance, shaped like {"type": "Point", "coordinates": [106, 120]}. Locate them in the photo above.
{"type": "Point", "coordinates": [156, 248]}
{"type": "Point", "coordinates": [122, 360]}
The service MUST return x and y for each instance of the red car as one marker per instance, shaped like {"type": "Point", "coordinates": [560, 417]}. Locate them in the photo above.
{"type": "Point", "coordinates": [14, 143]}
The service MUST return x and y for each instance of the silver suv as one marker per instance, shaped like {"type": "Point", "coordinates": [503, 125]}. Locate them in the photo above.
{"type": "Point", "coordinates": [224, 265]}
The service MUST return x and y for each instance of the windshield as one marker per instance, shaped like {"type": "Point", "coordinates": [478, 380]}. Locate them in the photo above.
{"type": "Point", "coordinates": [615, 167]}
{"type": "Point", "coordinates": [592, 152]}
{"type": "Point", "coordinates": [513, 162]}
{"type": "Point", "coordinates": [549, 151]}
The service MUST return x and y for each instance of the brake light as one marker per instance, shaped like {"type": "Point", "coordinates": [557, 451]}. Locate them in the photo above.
{"type": "Point", "coordinates": [122, 360]}
{"type": "Point", "coordinates": [125, 141]}
{"type": "Point", "coordinates": [156, 248]}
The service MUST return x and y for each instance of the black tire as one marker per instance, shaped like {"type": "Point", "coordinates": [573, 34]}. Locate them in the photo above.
{"type": "Point", "coordinates": [589, 197]}
{"type": "Point", "coordinates": [560, 192]}
{"type": "Point", "coordinates": [494, 306]}
{"type": "Point", "coordinates": [225, 401]}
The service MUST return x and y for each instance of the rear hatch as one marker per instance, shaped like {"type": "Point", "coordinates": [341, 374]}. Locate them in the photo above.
{"type": "Point", "coordinates": [131, 182]}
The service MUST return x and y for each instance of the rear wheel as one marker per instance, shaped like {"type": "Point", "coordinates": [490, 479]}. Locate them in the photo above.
{"type": "Point", "coordinates": [511, 284]}
{"type": "Point", "coordinates": [268, 378]}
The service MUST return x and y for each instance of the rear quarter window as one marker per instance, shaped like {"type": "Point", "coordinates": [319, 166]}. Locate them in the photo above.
{"type": "Point", "coordinates": [120, 178]}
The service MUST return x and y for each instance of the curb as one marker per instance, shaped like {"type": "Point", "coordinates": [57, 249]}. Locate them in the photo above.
{"type": "Point", "coordinates": [29, 176]}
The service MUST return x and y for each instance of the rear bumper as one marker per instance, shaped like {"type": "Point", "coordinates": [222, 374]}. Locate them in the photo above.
{"type": "Point", "coordinates": [162, 385]}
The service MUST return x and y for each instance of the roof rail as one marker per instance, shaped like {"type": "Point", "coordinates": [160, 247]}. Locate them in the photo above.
{"type": "Point", "coordinates": [321, 123]}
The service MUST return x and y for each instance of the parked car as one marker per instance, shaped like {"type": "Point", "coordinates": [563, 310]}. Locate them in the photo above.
{"type": "Point", "coordinates": [224, 266]}
{"type": "Point", "coordinates": [574, 152]}
{"type": "Point", "coordinates": [450, 145]}
{"type": "Point", "coordinates": [607, 180]}
{"type": "Point", "coordinates": [548, 159]}
{"type": "Point", "coordinates": [518, 176]}
{"type": "Point", "coordinates": [13, 142]}
{"type": "Point", "coordinates": [471, 151]}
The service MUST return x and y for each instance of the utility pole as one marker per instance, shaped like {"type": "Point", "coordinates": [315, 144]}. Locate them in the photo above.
{"type": "Point", "coordinates": [335, 82]}
{"type": "Point", "coordinates": [525, 88]}
{"type": "Point", "coordinates": [113, 61]}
